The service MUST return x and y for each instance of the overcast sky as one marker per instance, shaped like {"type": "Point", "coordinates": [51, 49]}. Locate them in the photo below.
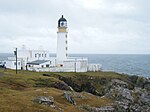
{"type": "Point", "coordinates": [94, 26]}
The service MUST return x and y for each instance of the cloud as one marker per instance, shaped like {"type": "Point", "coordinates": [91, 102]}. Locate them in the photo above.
{"type": "Point", "coordinates": [95, 26]}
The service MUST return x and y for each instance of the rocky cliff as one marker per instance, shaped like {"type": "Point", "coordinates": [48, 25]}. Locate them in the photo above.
{"type": "Point", "coordinates": [128, 93]}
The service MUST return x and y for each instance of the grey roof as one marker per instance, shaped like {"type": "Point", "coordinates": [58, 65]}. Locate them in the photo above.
{"type": "Point", "coordinates": [37, 62]}
{"type": "Point", "coordinates": [62, 19]}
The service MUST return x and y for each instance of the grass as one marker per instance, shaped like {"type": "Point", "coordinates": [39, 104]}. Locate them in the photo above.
{"type": "Point", "coordinates": [17, 91]}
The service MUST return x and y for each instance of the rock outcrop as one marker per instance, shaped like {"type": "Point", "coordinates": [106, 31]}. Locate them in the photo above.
{"type": "Point", "coordinates": [136, 100]}
{"type": "Point", "coordinates": [44, 100]}
{"type": "Point", "coordinates": [129, 94]}
{"type": "Point", "coordinates": [49, 101]}
{"type": "Point", "coordinates": [62, 86]}
{"type": "Point", "coordinates": [69, 97]}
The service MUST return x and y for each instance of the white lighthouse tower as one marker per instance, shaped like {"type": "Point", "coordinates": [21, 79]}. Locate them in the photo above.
{"type": "Point", "coordinates": [62, 44]}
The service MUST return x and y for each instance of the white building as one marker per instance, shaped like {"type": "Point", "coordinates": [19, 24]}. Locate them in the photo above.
{"type": "Point", "coordinates": [40, 60]}
{"type": "Point", "coordinates": [11, 63]}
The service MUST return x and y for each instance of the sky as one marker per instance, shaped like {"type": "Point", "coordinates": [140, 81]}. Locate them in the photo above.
{"type": "Point", "coordinates": [94, 26]}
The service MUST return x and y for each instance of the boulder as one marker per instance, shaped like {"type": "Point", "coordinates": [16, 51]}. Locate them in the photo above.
{"type": "Point", "coordinates": [69, 97]}
{"type": "Point", "coordinates": [44, 100]}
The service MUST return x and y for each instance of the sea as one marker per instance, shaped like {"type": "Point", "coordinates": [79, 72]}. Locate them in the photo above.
{"type": "Point", "coordinates": [132, 64]}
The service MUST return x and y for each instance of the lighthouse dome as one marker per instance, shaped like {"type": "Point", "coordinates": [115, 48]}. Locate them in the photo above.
{"type": "Point", "coordinates": [62, 22]}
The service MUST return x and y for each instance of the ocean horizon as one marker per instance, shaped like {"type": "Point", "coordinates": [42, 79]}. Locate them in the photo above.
{"type": "Point", "coordinates": [131, 64]}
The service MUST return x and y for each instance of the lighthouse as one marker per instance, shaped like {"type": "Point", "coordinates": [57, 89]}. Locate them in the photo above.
{"type": "Point", "coordinates": [62, 43]}
{"type": "Point", "coordinates": [41, 61]}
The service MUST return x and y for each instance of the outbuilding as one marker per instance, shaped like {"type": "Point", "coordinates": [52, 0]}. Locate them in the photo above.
{"type": "Point", "coordinates": [37, 64]}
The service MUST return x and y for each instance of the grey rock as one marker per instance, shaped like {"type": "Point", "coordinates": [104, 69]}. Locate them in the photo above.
{"type": "Point", "coordinates": [145, 98]}
{"type": "Point", "coordinates": [122, 106]}
{"type": "Point", "coordinates": [120, 93]}
{"type": "Point", "coordinates": [147, 85]}
{"type": "Point", "coordinates": [136, 108]}
{"type": "Point", "coordinates": [44, 100]}
{"type": "Point", "coordinates": [126, 93]}
{"type": "Point", "coordinates": [117, 82]}
{"type": "Point", "coordinates": [62, 86]}
{"type": "Point", "coordinates": [69, 97]}
{"type": "Point", "coordinates": [97, 109]}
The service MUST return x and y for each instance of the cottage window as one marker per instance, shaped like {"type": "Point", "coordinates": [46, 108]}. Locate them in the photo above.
{"type": "Point", "coordinates": [42, 66]}
{"type": "Point", "coordinates": [50, 62]}
{"type": "Point", "coordinates": [35, 55]}
{"type": "Point", "coordinates": [47, 65]}
{"type": "Point", "coordinates": [45, 55]}
{"type": "Point", "coordinates": [42, 55]}
{"type": "Point", "coordinates": [14, 63]}
{"type": "Point", "coordinates": [39, 55]}
{"type": "Point", "coordinates": [18, 63]}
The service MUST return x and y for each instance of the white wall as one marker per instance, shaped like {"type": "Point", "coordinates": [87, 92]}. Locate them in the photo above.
{"type": "Point", "coordinates": [76, 64]}
{"type": "Point", "coordinates": [11, 64]}
{"type": "Point", "coordinates": [61, 47]}
{"type": "Point", "coordinates": [33, 54]}
{"type": "Point", "coordinates": [94, 67]}
{"type": "Point", "coordinates": [81, 66]}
